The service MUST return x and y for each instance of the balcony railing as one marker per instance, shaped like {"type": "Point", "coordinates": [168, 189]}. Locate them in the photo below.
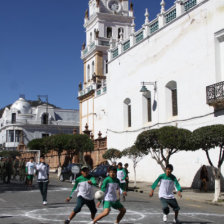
{"type": "Point", "coordinates": [215, 94]}
{"type": "Point", "coordinates": [171, 16]}
{"type": "Point", "coordinates": [115, 53]}
{"type": "Point", "coordinates": [154, 27]}
{"type": "Point", "coordinates": [101, 41]}
{"type": "Point", "coordinates": [175, 12]}
{"type": "Point", "coordinates": [87, 90]}
{"type": "Point", "coordinates": [126, 45]}
{"type": "Point", "coordinates": [189, 4]}
{"type": "Point", "coordinates": [139, 37]}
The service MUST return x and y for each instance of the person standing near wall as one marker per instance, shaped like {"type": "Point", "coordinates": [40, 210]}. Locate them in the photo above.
{"type": "Point", "coordinates": [43, 178]}
{"type": "Point", "coordinates": [9, 169]}
{"type": "Point", "coordinates": [22, 170]}
{"type": "Point", "coordinates": [127, 177]}
{"type": "Point", "coordinates": [2, 170]}
{"type": "Point", "coordinates": [121, 175]}
{"type": "Point", "coordinates": [204, 178]}
{"type": "Point", "coordinates": [30, 171]}
{"type": "Point", "coordinates": [15, 167]}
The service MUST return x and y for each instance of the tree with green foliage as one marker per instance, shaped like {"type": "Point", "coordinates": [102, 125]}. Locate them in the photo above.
{"type": "Point", "coordinates": [207, 138]}
{"type": "Point", "coordinates": [135, 155]}
{"type": "Point", "coordinates": [83, 144]}
{"type": "Point", "coordinates": [162, 143]}
{"type": "Point", "coordinates": [112, 155]}
{"type": "Point", "coordinates": [57, 143]}
{"type": "Point", "coordinates": [38, 144]}
{"type": "Point", "coordinates": [11, 154]}
{"type": "Point", "coordinates": [71, 147]}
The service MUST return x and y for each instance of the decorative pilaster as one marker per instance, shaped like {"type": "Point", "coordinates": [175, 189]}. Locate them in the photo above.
{"type": "Point", "coordinates": [133, 27]}
{"type": "Point", "coordinates": [162, 11]}
{"type": "Point", "coordinates": [86, 16]}
{"type": "Point", "coordinates": [97, 5]}
{"type": "Point", "coordinates": [161, 16]}
{"type": "Point", "coordinates": [131, 11]}
{"type": "Point", "coordinates": [179, 7]}
{"type": "Point", "coordinates": [146, 25]}
{"type": "Point", "coordinates": [146, 16]}
{"type": "Point", "coordinates": [120, 48]}
{"type": "Point", "coordinates": [87, 131]}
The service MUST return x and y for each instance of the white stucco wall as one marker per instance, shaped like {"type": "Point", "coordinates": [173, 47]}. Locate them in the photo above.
{"type": "Point", "coordinates": [184, 52]}
{"type": "Point", "coordinates": [100, 121]}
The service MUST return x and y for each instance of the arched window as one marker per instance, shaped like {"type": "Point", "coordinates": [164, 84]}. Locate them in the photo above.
{"type": "Point", "coordinates": [93, 68]}
{"type": "Point", "coordinates": [147, 107]}
{"type": "Point", "coordinates": [106, 66]}
{"type": "Point", "coordinates": [171, 99]}
{"type": "Point", "coordinates": [120, 31]}
{"type": "Point", "coordinates": [44, 119]}
{"type": "Point", "coordinates": [13, 119]}
{"type": "Point", "coordinates": [127, 113]}
{"type": "Point", "coordinates": [91, 37]}
{"type": "Point", "coordinates": [88, 73]}
{"type": "Point", "coordinates": [109, 32]}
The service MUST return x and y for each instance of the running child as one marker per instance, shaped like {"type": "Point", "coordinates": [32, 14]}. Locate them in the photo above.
{"type": "Point", "coordinates": [84, 185]}
{"type": "Point", "coordinates": [110, 186]}
{"type": "Point", "coordinates": [167, 183]}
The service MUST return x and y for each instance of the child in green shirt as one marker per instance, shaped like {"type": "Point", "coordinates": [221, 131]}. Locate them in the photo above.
{"type": "Point", "coordinates": [83, 185]}
{"type": "Point", "coordinates": [110, 186]}
{"type": "Point", "coordinates": [167, 184]}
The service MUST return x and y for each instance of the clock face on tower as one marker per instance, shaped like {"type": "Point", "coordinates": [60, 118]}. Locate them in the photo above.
{"type": "Point", "coordinates": [114, 5]}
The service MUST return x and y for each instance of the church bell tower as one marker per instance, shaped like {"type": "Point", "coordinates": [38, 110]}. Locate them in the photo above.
{"type": "Point", "coordinates": [106, 22]}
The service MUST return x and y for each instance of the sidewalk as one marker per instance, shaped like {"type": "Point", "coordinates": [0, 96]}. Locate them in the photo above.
{"type": "Point", "coordinates": [188, 193]}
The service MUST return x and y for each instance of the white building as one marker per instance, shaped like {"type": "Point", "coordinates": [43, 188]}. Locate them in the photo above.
{"type": "Point", "coordinates": [22, 123]}
{"type": "Point", "coordinates": [178, 55]}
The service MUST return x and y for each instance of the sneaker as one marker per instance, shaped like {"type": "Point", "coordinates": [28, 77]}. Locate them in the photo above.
{"type": "Point", "coordinates": [67, 221]}
{"type": "Point", "coordinates": [91, 222]}
{"type": "Point", "coordinates": [176, 220]}
{"type": "Point", "coordinates": [164, 218]}
{"type": "Point", "coordinates": [44, 202]}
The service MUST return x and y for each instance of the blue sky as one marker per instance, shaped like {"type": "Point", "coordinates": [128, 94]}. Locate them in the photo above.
{"type": "Point", "coordinates": [40, 43]}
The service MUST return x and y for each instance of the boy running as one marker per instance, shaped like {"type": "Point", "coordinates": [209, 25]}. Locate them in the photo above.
{"type": "Point", "coordinates": [110, 186]}
{"type": "Point", "coordinates": [83, 184]}
{"type": "Point", "coordinates": [167, 184]}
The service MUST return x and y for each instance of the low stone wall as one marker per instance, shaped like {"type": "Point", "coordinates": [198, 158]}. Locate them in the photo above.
{"type": "Point", "coordinates": [92, 159]}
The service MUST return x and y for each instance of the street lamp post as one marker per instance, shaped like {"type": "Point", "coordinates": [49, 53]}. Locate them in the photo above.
{"type": "Point", "coordinates": [144, 89]}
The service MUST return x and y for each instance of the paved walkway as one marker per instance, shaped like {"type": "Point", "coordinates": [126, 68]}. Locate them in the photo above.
{"type": "Point", "coordinates": [188, 193]}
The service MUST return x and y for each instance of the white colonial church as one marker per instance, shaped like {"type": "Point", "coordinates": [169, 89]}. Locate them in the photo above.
{"type": "Point", "coordinates": [178, 58]}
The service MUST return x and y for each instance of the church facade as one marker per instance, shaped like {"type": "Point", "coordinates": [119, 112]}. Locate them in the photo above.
{"type": "Point", "coordinates": [176, 60]}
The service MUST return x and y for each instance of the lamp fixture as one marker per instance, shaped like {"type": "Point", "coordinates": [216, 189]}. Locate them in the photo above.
{"type": "Point", "coordinates": [144, 88]}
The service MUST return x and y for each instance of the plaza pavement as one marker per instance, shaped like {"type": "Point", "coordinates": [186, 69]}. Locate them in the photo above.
{"type": "Point", "coordinates": [19, 205]}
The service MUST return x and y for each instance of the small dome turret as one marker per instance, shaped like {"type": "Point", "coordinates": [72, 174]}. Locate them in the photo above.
{"type": "Point", "coordinates": [21, 106]}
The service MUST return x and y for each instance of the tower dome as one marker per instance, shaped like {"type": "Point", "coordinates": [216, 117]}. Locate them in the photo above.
{"type": "Point", "coordinates": [22, 106]}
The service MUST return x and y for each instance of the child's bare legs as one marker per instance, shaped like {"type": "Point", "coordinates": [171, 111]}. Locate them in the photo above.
{"type": "Point", "coordinates": [121, 214]}
{"type": "Point", "coordinates": [72, 215]}
{"type": "Point", "coordinates": [105, 212]}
